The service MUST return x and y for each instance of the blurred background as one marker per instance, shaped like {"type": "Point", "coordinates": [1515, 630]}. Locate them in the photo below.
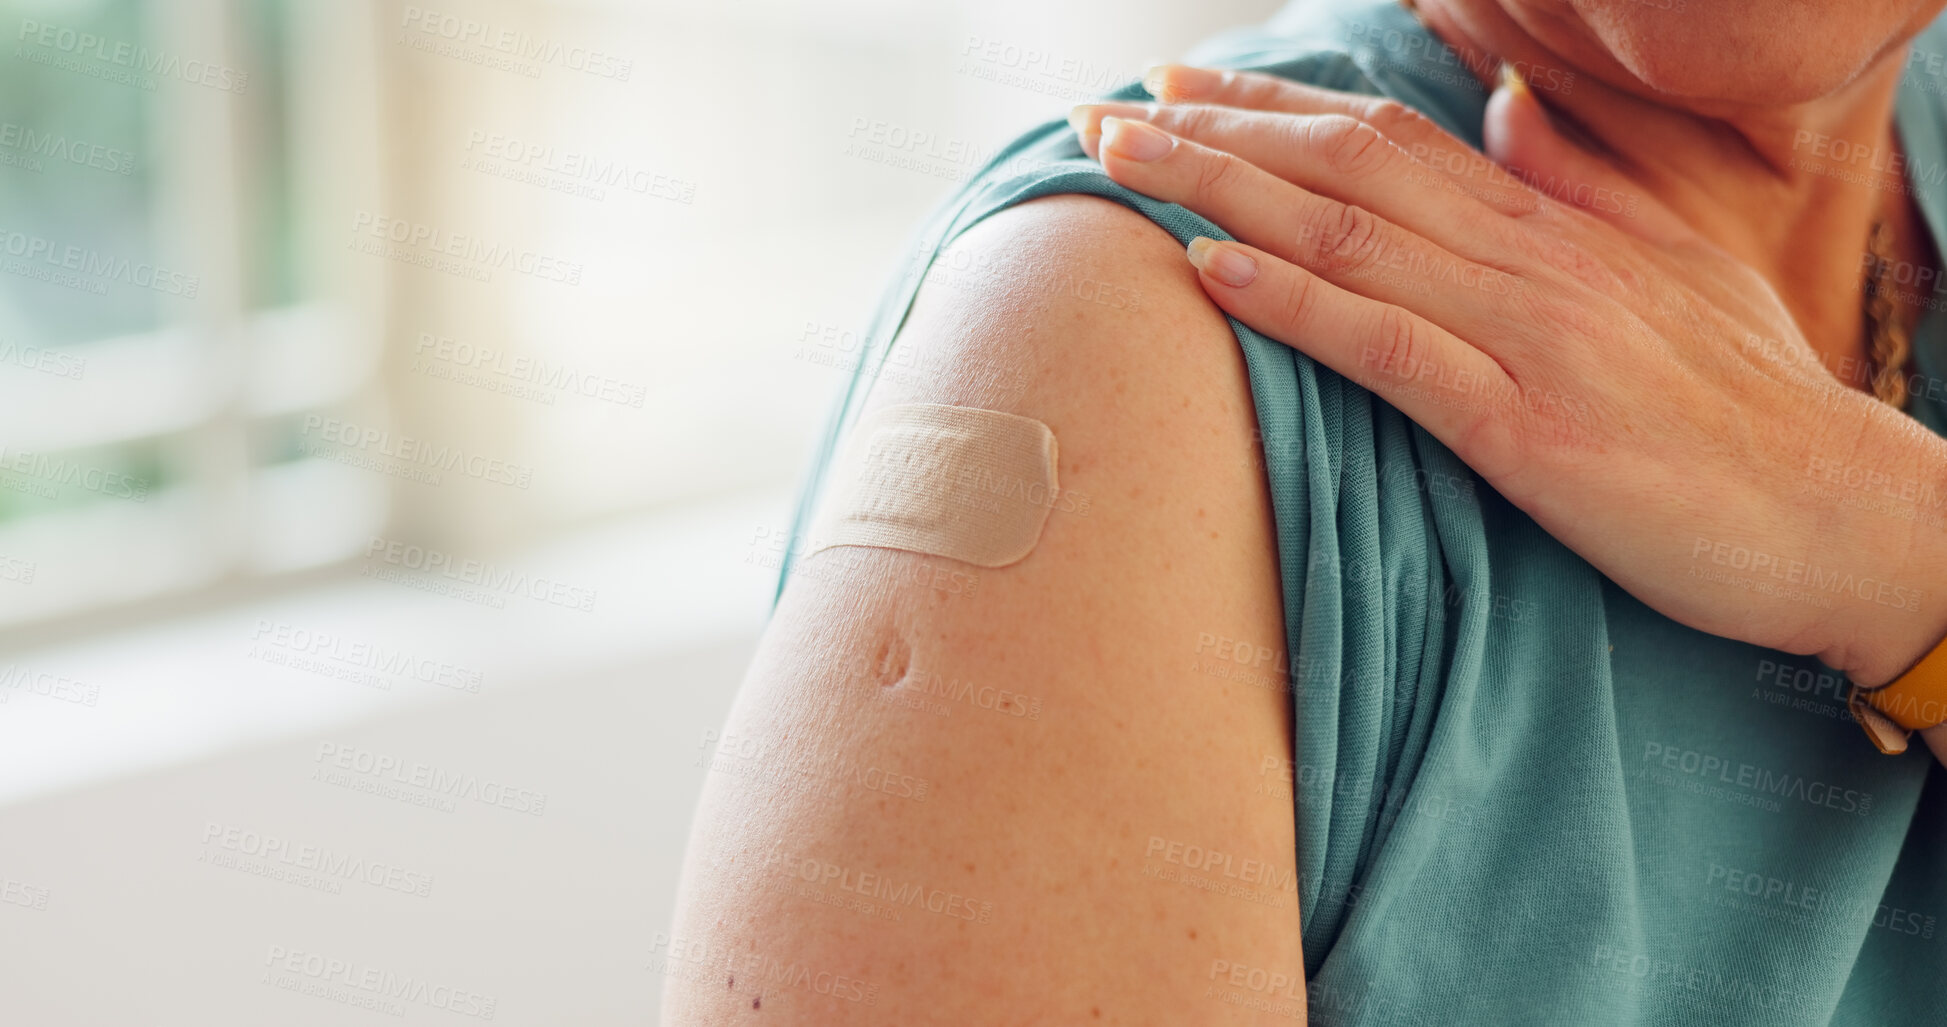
{"type": "Point", "coordinates": [400, 411]}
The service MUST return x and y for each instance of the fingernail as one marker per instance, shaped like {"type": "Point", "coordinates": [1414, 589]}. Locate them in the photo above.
{"type": "Point", "coordinates": [1134, 140]}
{"type": "Point", "coordinates": [1175, 83]}
{"type": "Point", "coordinates": [1086, 123]}
{"type": "Point", "coordinates": [1227, 264]}
{"type": "Point", "coordinates": [1512, 80]}
{"type": "Point", "coordinates": [1083, 118]}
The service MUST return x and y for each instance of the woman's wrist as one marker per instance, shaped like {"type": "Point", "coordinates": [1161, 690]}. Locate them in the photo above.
{"type": "Point", "coordinates": [1889, 649]}
{"type": "Point", "coordinates": [1891, 502]}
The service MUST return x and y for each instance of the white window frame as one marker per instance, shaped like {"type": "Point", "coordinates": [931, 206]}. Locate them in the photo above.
{"type": "Point", "coordinates": [218, 369]}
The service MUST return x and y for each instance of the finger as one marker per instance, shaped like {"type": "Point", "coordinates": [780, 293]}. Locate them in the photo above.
{"type": "Point", "coordinates": [1450, 388]}
{"type": "Point", "coordinates": [1184, 83]}
{"type": "Point", "coordinates": [1467, 171]}
{"type": "Point", "coordinates": [1518, 134]}
{"type": "Point", "coordinates": [1255, 90]}
{"type": "Point", "coordinates": [1346, 244]}
{"type": "Point", "coordinates": [1334, 155]}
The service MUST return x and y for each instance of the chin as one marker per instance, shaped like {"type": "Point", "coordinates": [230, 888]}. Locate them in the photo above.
{"type": "Point", "coordinates": [1744, 51]}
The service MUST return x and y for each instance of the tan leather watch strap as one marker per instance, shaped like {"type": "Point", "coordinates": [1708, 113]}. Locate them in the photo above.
{"type": "Point", "coordinates": [1914, 701]}
{"type": "Point", "coordinates": [1888, 737]}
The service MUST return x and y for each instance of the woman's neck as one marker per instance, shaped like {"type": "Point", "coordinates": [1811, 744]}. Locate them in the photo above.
{"type": "Point", "coordinates": [1791, 191]}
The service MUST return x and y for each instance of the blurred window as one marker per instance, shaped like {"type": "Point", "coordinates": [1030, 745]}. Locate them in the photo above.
{"type": "Point", "coordinates": [164, 326]}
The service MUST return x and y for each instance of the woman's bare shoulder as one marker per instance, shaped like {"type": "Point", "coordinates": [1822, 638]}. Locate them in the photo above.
{"type": "Point", "coordinates": [1043, 792]}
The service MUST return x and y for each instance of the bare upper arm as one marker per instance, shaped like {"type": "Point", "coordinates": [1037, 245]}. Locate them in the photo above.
{"type": "Point", "coordinates": [1053, 795]}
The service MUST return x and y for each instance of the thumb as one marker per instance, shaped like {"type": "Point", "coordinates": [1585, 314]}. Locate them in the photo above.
{"type": "Point", "coordinates": [1520, 136]}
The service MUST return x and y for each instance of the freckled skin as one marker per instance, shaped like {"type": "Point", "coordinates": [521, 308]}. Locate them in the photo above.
{"type": "Point", "coordinates": [1063, 825]}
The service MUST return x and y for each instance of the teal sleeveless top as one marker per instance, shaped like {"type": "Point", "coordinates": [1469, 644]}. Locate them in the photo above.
{"type": "Point", "coordinates": [1523, 796]}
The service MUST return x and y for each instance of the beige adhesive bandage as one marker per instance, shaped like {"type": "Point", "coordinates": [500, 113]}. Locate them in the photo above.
{"type": "Point", "coordinates": [968, 484]}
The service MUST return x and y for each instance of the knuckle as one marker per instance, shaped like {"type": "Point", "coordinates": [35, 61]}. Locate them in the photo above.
{"type": "Point", "coordinates": [1349, 146]}
{"type": "Point", "coordinates": [1475, 429]}
{"type": "Point", "coordinates": [1344, 239]}
{"type": "Point", "coordinates": [1397, 120]}
{"type": "Point", "coordinates": [1631, 280]}
{"type": "Point", "coordinates": [1528, 202]}
{"type": "Point", "coordinates": [1295, 308]}
{"type": "Point", "coordinates": [1256, 89]}
{"type": "Point", "coordinates": [1564, 322]}
{"type": "Point", "coordinates": [1489, 439]}
{"type": "Point", "coordinates": [1552, 246]}
{"type": "Point", "coordinates": [1218, 173]}
{"type": "Point", "coordinates": [1399, 344]}
{"type": "Point", "coordinates": [1581, 265]}
{"type": "Point", "coordinates": [1193, 120]}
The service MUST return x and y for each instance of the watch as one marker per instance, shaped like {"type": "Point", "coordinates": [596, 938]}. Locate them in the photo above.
{"type": "Point", "coordinates": [1914, 701]}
